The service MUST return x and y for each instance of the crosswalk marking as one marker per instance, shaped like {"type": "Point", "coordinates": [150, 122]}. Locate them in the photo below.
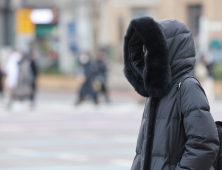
{"type": "Point", "coordinates": [89, 167]}
{"type": "Point", "coordinates": [68, 108]}
{"type": "Point", "coordinates": [122, 162]}
{"type": "Point", "coordinates": [72, 157]}
{"type": "Point", "coordinates": [21, 151]}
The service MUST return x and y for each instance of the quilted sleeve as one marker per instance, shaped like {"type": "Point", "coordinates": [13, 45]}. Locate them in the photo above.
{"type": "Point", "coordinates": [202, 143]}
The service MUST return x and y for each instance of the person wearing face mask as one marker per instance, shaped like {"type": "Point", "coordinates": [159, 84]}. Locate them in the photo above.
{"type": "Point", "coordinates": [87, 88]}
{"type": "Point", "coordinates": [23, 87]}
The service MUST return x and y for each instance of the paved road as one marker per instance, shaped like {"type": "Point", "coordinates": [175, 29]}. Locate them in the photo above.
{"type": "Point", "coordinates": [59, 136]}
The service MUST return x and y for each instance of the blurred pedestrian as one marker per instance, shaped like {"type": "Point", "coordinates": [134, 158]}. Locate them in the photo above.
{"type": "Point", "coordinates": [23, 88]}
{"type": "Point", "coordinates": [89, 77]}
{"type": "Point", "coordinates": [101, 74]}
{"type": "Point", "coordinates": [12, 73]}
{"type": "Point", "coordinates": [209, 62]}
{"type": "Point", "coordinates": [201, 71]}
{"type": "Point", "coordinates": [34, 72]}
{"type": "Point", "coordinates": [177, 129]}
{"type": "Point", "coordinates": [1, 82]}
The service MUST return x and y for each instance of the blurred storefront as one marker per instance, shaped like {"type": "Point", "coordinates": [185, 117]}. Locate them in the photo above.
{"type": "Point", "coordinates": [7, 23]}
{"type": "Point", "coordinates": [89, 25]}
{"type": "Point", "coordinates": [57, 30]}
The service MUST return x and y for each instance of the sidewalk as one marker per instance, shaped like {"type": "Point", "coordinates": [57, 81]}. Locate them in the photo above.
{"type": "Point", "coordinates": [116, 80]}
{"type": "Point", "coordinates": [63, 102]}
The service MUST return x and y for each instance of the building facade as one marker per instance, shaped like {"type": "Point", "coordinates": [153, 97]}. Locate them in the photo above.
{"type": "Point", "coordinates": [89, 25]}
{"type": "Point", "coordinates": [202, 17]}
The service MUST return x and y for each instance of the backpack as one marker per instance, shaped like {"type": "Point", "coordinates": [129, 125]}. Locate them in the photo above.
{"type": "Point", "coordinates": [218, 162]}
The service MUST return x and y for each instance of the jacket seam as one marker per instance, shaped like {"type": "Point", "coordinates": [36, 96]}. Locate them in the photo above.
{"type": "Point", "coordinates": [178, 34]}
{"type": "Point", "coordinates": [189, 56]}
{"type": "Point", "coordinates": [167, 118]}
{"type": "Point", "coordinates": [164, 156]}
{"type": "Point", "coordinates": [196, 110]}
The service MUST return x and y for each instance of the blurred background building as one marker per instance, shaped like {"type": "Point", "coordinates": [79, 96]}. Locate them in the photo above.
{"type": "Point", "coordinates": [60, 30]}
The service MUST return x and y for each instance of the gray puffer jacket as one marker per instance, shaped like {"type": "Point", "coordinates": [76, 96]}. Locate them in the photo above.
{"type": "Point", "coordinates": [165, 142]}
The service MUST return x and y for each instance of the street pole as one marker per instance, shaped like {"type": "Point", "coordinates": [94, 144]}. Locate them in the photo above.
{"type": "Point", "coordinates": [6, 17]}
{"type": "Point", "coordinates": [95, 25]}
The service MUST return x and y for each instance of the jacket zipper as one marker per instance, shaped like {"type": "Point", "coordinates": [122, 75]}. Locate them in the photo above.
{"type": "Point", "coordinates": [152, 138]}
{"type": "Point", "coordinates": [156, 109]}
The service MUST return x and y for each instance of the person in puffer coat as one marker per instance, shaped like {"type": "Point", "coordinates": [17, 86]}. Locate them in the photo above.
{"type": "Point", "coordinates": [165, 142]}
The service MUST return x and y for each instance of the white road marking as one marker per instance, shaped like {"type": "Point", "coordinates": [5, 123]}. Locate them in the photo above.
{"type": "Point", "coordinates": [122, 162]}
{"type": "Point", "coordinates": [72, 157]}
{"type": "Point", "coordinates": [21, 151]}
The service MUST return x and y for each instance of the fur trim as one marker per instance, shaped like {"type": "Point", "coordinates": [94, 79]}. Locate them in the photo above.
{"type": "Point", "coordinates": [149, 74]}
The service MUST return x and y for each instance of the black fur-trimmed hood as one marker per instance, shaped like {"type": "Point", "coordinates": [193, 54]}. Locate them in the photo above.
{"type": "Point", "coordinates": [152, 73]}
{"type": "Point", "coordinates": [149, 73]}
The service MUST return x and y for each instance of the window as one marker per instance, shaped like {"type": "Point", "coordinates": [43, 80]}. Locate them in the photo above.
{"type": "Point", "coordinates": [139, 12]}
{"type": "Point", "coordinates": [194, 14]}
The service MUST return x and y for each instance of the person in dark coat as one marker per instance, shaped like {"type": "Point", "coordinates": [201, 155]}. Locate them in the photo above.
{"type": "Point", "coordinates": [23, 88]}
{"type": "Point", "coordinates": [1, 82]}
{"type": "Point", "coordinates": [165, 141]}
{"type": "Point", "coordinates": [101, 76]}
{"type": "Point", "coordinates": [87, 87]}
{"type": "Point", "coordinates": [34, 73]}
